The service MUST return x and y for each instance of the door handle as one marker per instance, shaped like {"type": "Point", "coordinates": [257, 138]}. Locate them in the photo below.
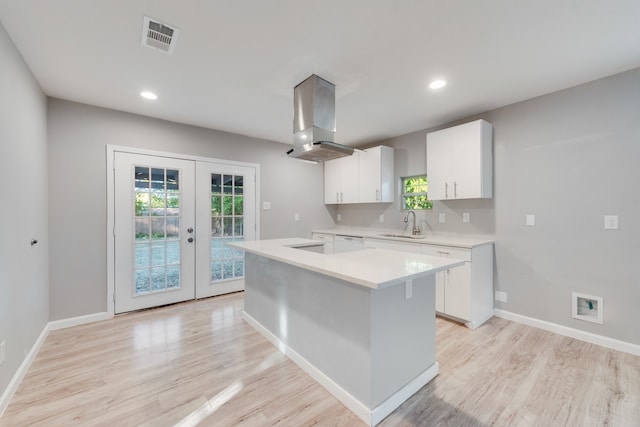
{"type": "Point", "coordinates": [190, 240]}
{"type": "Point", "coordinates": [190, 230]}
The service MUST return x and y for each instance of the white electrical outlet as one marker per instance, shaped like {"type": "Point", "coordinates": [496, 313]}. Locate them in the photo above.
{"type": "Point", "coordinates": [408, 289]}
{"type": "Point", "coordinates": [3, 352]}
{"type": "Point", "coordinates": [296, 217]}
{"type": "Point", "coordinates": [266, 206]}
{"type": "Point", "coordinates": [381, 218]}
{"type": "Point", "coordinates": [339, 218]}
{"type": "Point", "coordinates": [466, 217]}
{"type": "Point", "coordinates": [441, 218]}
{"type": "Point", "coordinates": [501, 296]}
{"type": "Point", "coordinates": [611, 222]}
{"type": "Point", "coordinates": [531, 220]}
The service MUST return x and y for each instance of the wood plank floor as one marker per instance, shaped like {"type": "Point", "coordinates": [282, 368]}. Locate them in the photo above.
{"type": "Point", "coordinates": [198, 363]}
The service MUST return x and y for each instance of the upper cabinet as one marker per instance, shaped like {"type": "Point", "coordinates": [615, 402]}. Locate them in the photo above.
{"type": "Point", "coordinates": [460, 162]}
{"type": "Point", "coordinates": [341, 178]}
{"type": "Point", "coordinates": [365, 177]}
{"type": "Point", "coordinates": [376, 175]}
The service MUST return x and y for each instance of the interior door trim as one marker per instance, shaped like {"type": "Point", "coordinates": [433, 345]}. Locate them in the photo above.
{"type": "Point", "coordinates": [110, 154]}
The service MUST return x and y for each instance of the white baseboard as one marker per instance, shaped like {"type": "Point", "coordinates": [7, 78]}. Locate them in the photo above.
{"type": "Point", "coordinates": [80, 320]}
{"type": "Point", "coordinates": [22, 370]}
{"type": "Point", "coordinates": [571, 332]}
{"type": "Point", "coordinates": [392, 403]}
{"type": "Point", "coordinates": [341, 394]}
{"type": "Point", "coordinates": [370, 416]}
{"type": "Point", "coordinates": [28, 360]}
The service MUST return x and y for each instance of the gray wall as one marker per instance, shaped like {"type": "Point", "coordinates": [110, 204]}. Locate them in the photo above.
{"type": "Point", "coordinates": [24, 291]}
{"type": "Point", "coordinates": [570, 158]}
{"type": "Point", "coordinates": [78, 135]}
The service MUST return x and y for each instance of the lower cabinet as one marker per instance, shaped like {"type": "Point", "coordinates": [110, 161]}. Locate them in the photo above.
{"type": "Point", "coordinates": [326, 238]}
{"type": "Point", "coordinates": [464, 293]}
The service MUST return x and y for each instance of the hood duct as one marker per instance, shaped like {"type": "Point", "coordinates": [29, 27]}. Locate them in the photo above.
{"type": "Point", "coordinates": [314, 122]}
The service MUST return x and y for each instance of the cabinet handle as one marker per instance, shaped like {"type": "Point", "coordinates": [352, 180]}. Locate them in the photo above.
{"type": "Point", "coordinates": [455, 190]}
{"type": "Point", "coordinates": [341, 197]}
{"type": "Point", "coordinates": [446, 190]}
{"type": "Point", "coordinates": [377, 195]}
{"type": "Point", "coordinates": [337, 197]}
{"type": "Point", "coordinates": [444, 253]}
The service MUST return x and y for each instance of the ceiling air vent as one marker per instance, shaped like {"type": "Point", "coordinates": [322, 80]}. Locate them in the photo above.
{"type": "Point", "coordinates": [158, 35]}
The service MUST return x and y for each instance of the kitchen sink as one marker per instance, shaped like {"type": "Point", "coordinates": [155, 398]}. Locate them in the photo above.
{"type": "Point", "coordinates": [402, 236]}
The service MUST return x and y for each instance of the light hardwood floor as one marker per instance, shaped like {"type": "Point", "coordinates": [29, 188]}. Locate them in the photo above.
{"type": "Point", "coordinates": [198, 363]}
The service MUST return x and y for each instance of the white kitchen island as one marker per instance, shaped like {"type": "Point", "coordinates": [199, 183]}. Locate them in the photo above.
{"type": "Point", "coordinates": [361, 323]}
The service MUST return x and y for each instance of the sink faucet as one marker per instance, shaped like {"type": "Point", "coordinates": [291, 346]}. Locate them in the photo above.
{"type": "Point", "coordinates": [415, 230]}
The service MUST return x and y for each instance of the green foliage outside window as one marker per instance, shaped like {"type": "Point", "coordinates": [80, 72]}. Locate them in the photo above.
{"type": "Point", "coordinates": [414, 193]}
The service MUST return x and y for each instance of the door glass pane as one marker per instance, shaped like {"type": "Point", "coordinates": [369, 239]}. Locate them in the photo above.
{"type": "Point", "coordinates": [157, 226]}
{"type": "Point", "coordinates": [227, 225]}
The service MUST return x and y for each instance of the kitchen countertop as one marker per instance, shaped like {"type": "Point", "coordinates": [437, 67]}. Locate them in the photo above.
{"type": "Point", "coordinates": [373, 268]}
{"type": "Point", "coordinates": [444, 240]}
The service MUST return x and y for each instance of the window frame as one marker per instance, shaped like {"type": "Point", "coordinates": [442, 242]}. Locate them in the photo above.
{"type": "Point", "coordinates": [404, 194]}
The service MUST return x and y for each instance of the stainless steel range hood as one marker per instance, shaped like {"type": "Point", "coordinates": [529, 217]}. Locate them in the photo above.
{"type": "Point", "coordinates": [314, 122]}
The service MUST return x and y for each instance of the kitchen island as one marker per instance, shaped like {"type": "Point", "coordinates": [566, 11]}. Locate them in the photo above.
{"type": "Point", "coordinates": [361, 323]}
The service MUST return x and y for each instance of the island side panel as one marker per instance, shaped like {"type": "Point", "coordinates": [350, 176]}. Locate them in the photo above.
{"type": "Point", "coordinates": [403, 335]}
{"type": "Point", "coordinates": [324, 319]}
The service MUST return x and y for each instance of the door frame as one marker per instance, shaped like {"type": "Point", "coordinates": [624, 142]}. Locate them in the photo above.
{"type": "Point", "coordinates": [110, 154]}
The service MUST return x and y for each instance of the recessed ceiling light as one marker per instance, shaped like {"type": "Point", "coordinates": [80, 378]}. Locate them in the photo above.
{"type": "Point", "coordinates": [148, 95]}
{"type": "Point", "coordinates": [437, 84]}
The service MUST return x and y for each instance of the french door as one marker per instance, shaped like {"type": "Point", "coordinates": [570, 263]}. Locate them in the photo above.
{"type": "Point", "coordinates": [172, 220]}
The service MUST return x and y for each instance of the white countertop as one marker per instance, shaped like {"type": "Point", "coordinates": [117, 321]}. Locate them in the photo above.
{"type": "Point", "coordinates": [444, 240]}
{"type": "Point", "coordinates": [373, 268]}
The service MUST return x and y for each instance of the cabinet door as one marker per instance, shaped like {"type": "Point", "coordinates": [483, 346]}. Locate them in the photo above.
{"type": "Point", "coordinates": [349, 179]}
{"type": "Point", "coordinates": [467, 161]}
{"type": "Point", "coordinates": [439, 165]}
{"type": "Point", "coordinates": [457, 301]}
{"type": "Point", "coordinates": [392, 245]}
{"type": "Point", "coordinates": [369, 176]}
{"type": "Point", "coordinates": [332, 182]}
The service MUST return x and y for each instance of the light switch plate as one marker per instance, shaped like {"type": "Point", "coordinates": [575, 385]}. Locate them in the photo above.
{"type": "Point", "coordinates": [339, 217]}
{"type": "Point", "coordinates": [611, 222]}
{"type": "Point", "coordinates": [466, 217]}
{"type": "Point", "coordinates": [381, 218]}
{"type": "Point", "coordinates": [441, 218]}
{"type": "Point", "coordinates": [531, 220]}
{"type": "Point", "coordinates": [296, 216]}
{"type": "Point", "coordinates": [266, 206]}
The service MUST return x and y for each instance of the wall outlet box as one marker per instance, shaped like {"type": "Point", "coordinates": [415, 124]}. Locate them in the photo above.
{"type": "Point", "coordinates": [381, 218]}
{"type": "Point", "coordinates": [441, 218]}
{"type": "Point", "coordinates": [3, 351]}
{"type": "Point", "coordinates": [296, 216]}
{"type": "Point", "coordinates": [501, 296]}
{"type": "Point", "coordinates": [466, 217]}
{"type": "Point", "coordinates": [408, 289]}
{"type": "Point", "coordinates": [266, 206]}
{"type": "Point", "coordinates": [339, 218]}
{"type": "Point", "coordinates": [531, 220]}
{"type": "Point", "coordinates": [611, 222]}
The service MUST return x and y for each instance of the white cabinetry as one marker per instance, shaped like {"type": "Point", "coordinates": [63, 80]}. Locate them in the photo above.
{"type": "Point", "coordinates": [460, 162]}
{"type": "Point", "coordinates": [341, 179]}
{"type": "Point", "coordinates": [326, 238]}
{"type": "Point", "coordinates": [365, 177]}
{"type": "Point", "coordinates": [376, 175]}
{"type": "Point", "coordinates": [465, 292]}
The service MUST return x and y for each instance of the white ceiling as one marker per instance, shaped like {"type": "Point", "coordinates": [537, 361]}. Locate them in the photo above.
{"type": "Point", "coordinates": [236, 61]}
